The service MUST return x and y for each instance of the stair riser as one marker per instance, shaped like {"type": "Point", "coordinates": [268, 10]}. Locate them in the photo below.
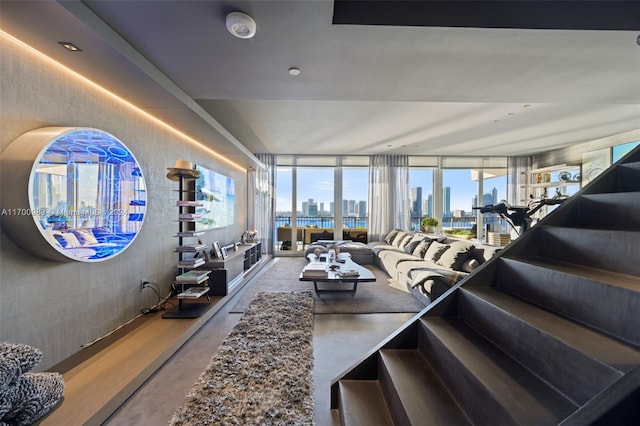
{"type": "Point", "coordinates": [394, 403]}
{"type": "Point", "coordinates": [577, 376]}
{"type": "Point", "coordinates": [609, 211]}
{"type": "Point", "coordinates": [361, 403]}
{"type": "Point", "coordinates": [608, 250]}
{"type": "Point", "coordinates": [629, 177]}
{"type": "Point", "coordinates": [612, 310]}
{"type": "Point", "coordinates": [474, 399]}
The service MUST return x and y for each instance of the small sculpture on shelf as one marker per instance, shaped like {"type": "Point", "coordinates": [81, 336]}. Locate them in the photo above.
{"type": "Point", "coordinates": [248, 237]}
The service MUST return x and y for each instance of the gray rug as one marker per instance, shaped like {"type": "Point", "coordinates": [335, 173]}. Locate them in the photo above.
{"type": "Point", "coordinates": [375, 297]}
{"type": "Point", "coordinates": [262, 372]}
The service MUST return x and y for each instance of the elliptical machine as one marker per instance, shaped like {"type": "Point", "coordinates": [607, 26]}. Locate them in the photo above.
{"type": "Point", "coordinates": [521, 216]}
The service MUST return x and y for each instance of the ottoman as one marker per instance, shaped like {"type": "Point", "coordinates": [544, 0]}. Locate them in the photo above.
{"type": "Point", "coordinates": [360, 252]}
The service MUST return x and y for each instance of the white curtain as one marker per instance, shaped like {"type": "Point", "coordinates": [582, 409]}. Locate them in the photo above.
{"type": "Point", "coordinates": [389, 201]}
{"type": "Point", "coordinates": [264, 200]}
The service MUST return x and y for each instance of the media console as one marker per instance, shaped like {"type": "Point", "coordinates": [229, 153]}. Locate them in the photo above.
{"type": "Point", "coordinates": [224, 272]}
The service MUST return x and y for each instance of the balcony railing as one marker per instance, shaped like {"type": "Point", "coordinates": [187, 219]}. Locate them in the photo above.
{"type": "Point", "coordinates": [327, 222]}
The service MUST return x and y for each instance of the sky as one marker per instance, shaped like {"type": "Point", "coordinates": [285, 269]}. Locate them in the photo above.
{"type": "Point", "coordinates": [317, 183]}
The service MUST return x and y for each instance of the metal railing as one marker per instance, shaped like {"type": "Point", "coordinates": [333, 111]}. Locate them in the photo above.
{"type": "Point", "coordinates": [327, 222]}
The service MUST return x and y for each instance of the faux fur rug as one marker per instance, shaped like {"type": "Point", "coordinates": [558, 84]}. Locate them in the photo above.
{"type": "Point", "coordinates": [374, 297]}
{"type": "Point", "coordinates": [262, 372]}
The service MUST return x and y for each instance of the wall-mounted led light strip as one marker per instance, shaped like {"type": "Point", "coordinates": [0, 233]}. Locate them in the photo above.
{"type": "Point", "coordinates": [123, 101]}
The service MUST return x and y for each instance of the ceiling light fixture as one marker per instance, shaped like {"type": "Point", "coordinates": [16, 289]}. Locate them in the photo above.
{"type": "Point", "coordinates": [241, 25]}
{"type": "Point", "coordinates": [294, 71]}
{"type": "Point", "coordinates": [69, 46]}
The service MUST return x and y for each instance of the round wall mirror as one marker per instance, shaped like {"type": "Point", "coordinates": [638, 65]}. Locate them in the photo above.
{"type": "Point", "coordinates": [86, 194]}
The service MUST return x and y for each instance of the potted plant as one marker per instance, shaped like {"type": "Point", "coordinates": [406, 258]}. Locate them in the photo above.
{"type": "Point", "coordinates": [429, 224]}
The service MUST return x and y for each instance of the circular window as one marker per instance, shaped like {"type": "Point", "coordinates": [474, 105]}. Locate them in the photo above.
{"type": "Point", "coordinates": [86, 194]}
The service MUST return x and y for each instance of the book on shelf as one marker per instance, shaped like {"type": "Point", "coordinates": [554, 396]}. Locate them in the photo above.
{"type": "Point", "coordinates": [191, 263]}
{"type": "Point", "coordinates": [193, 277]}
{"type": "Point", "coordinates": [191, 247]}
{"type": "Point", "coordinates": [193, 292]}
{"type": "Point", "coordinates": [188, 203]}
{"type": "Point", "coordinates": [189, 216]}
{"type": "Point", "coordinates": [184, 234]}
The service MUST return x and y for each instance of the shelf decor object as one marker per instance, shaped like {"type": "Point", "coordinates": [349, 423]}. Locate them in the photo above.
{"type": "Point", "coordinates": [71, 193]}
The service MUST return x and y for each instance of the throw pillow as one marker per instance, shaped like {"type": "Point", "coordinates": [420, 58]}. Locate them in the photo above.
{"type": "Point", "coordinates": [398, 238]}
{"type": "Point", "coordinates": [390, 236]}
{"type": "Point", "coordinates": [434, 251]}
{"type": "Point", "coordinates": [405, 241]}
{"type": "Point", "coordinates": [455, 256]}
{"type": "Point", "coordinates": [422, 247]}
{"type": "Point", "coordinates": [411, 246]}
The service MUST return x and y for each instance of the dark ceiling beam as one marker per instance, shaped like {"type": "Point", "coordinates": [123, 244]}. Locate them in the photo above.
{"type": "Point", "coordinates": [524, 14]}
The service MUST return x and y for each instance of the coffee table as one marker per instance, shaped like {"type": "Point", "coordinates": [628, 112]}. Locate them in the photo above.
{"type": "Point", "coordinates": [344, 263]}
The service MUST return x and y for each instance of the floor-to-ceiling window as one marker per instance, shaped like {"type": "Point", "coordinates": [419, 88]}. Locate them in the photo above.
{"type": "Point", "coordinates": [320, 197]}
{"type": "Point", "coordinates": [316, 194]}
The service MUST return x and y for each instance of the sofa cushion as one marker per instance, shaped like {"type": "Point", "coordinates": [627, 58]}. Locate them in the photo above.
{"type": "Point", "coordinates": [378, 248]}
{"type": "Point", "coordinates": [457, 253]}
{"type": "Point", "coordinates": [435, 250]}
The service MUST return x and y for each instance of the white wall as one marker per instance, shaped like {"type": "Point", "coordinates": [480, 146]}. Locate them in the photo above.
{"type": "Point", "coordinates": [57, 307]}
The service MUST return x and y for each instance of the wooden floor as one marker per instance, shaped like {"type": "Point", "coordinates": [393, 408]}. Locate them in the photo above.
{"type": "Point", "coordinates": [100, 378]}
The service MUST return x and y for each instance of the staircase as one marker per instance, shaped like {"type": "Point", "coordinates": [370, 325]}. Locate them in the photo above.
{"type": "Point", "coordinates": [546, 333]}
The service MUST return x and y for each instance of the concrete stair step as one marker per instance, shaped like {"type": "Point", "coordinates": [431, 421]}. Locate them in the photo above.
{"type": "Point", "coordinates": [574, 359]}
{"type": "Point", "coordinates": [606, 301]}
{"type": "Point", "coordinates": [594, 248]}
{"type": "Point", "coordinates": [490, 386]}
{"type": "Point", "coordinates": [362, 404]}
{"type": "Point", "coordinates": [414, 393]}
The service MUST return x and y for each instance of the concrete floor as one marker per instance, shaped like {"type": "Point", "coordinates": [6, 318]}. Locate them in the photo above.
{"type": "Point", "coordinates": [339, 340]}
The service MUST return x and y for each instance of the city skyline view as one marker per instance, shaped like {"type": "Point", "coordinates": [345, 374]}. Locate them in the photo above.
{"type": "Point", "coordinates": [318, 184]}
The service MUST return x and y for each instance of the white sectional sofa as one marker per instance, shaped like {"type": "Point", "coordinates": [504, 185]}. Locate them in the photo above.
{"type": "Point", "coordinates": [428, 265]}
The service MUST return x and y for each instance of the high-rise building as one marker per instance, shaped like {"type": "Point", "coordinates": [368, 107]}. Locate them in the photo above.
{"type": "Point", "coordinates": [416, 201]}
{"type": "Point", "coordinates": [310, 208]}
{"type": "Point", "coordinates": [446, 199]}
{"type": "Point", "coordinates": [362, 208]}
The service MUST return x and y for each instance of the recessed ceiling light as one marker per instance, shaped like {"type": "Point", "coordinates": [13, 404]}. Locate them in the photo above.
{"type": "Point", "coordinates": [294, 71]}
{"type": "Point", "coordinates": [241, 25]}
{"type": "Point", "coordinates": [69, 46]}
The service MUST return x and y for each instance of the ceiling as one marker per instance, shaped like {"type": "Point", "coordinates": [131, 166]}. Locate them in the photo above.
{"type": "Point", "coordinates": [381, 81]}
